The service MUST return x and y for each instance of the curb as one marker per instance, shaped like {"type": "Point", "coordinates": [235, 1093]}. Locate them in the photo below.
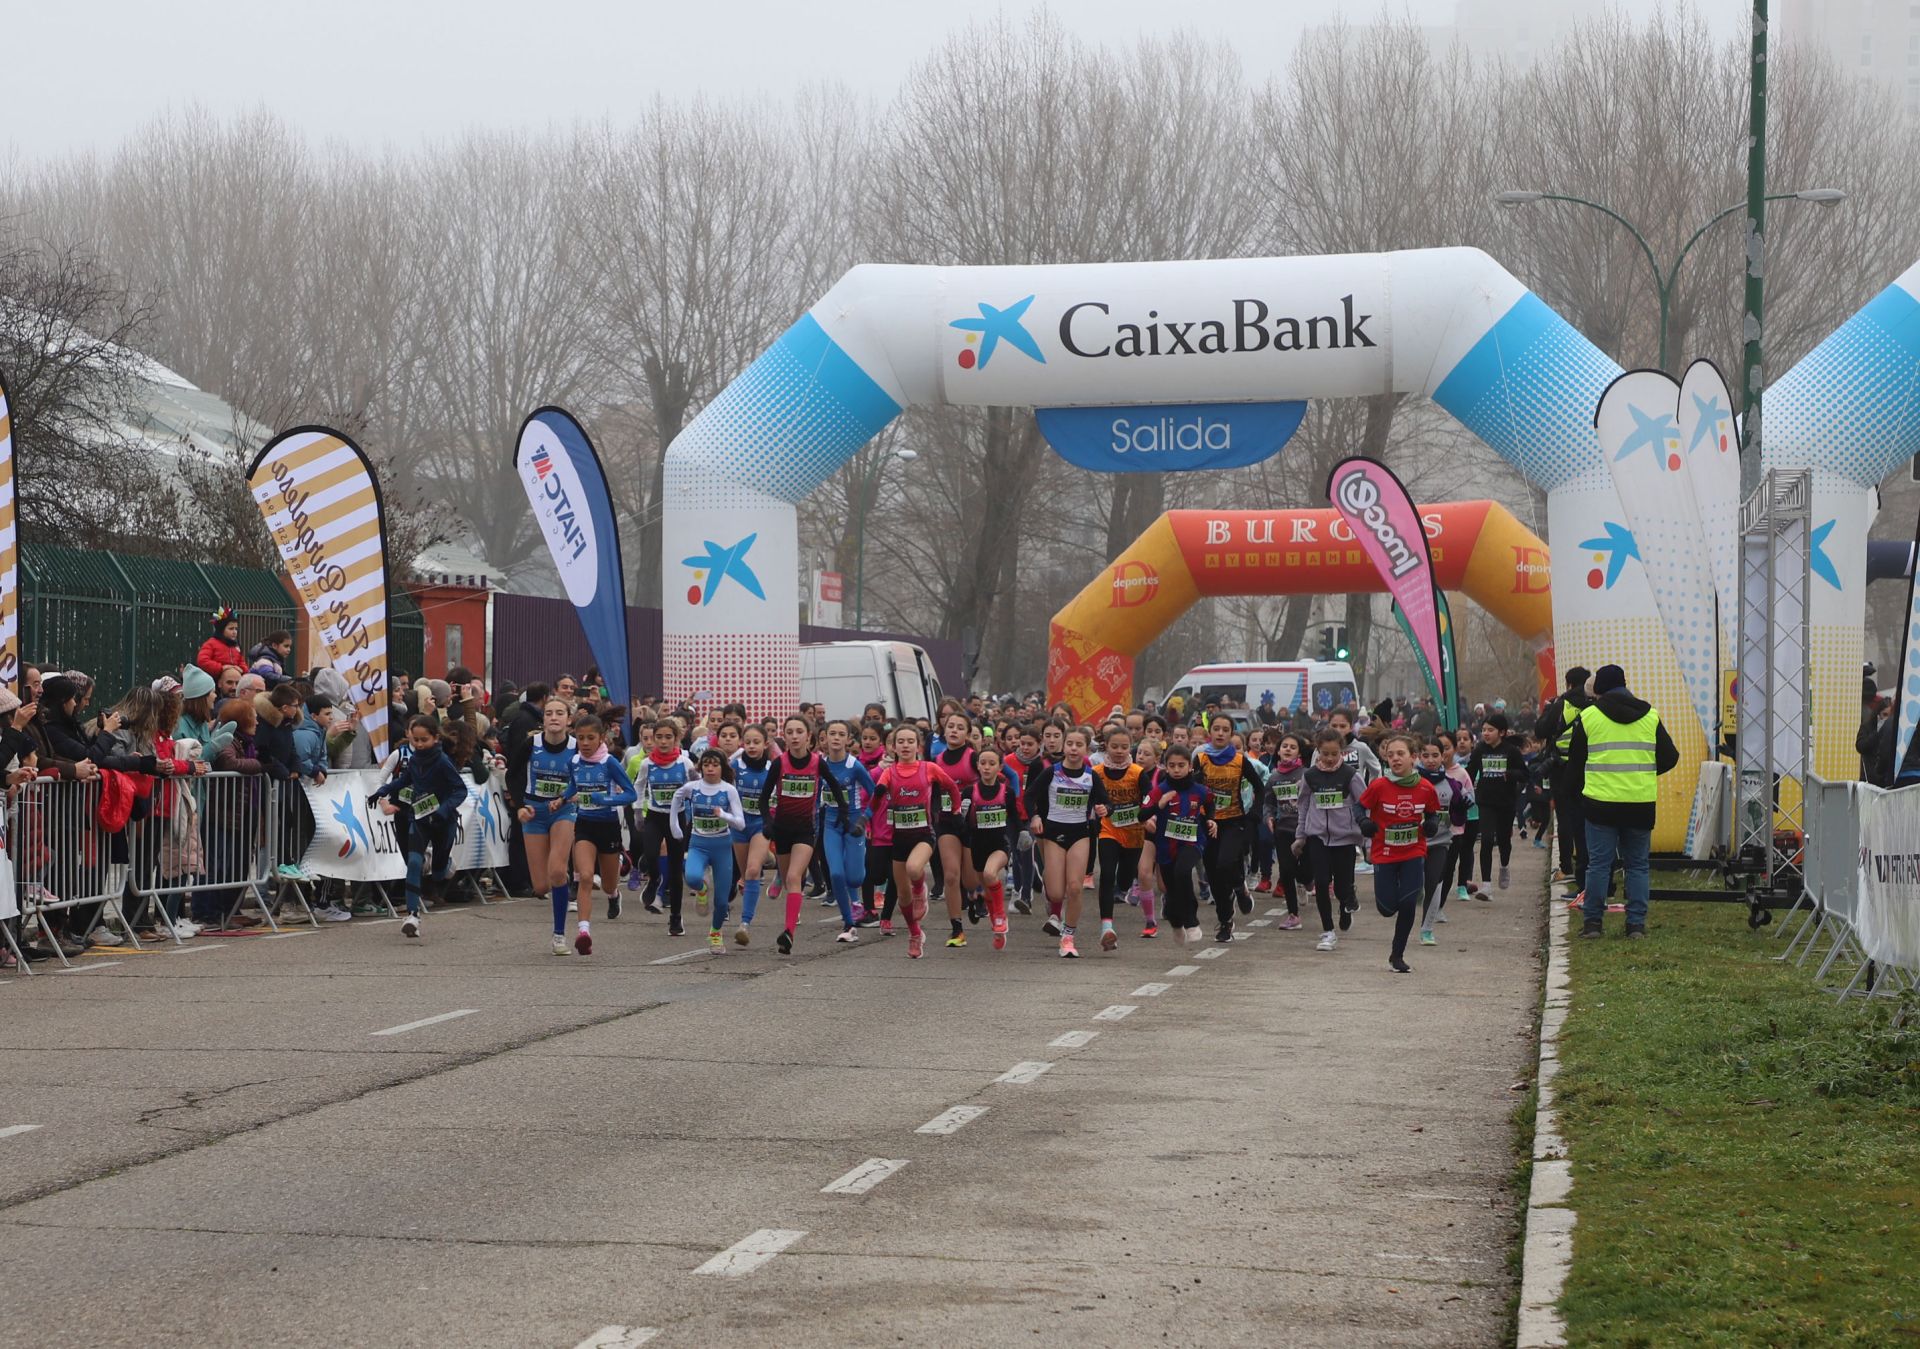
{"type": "Point", "coordinates": [1547, 1254]}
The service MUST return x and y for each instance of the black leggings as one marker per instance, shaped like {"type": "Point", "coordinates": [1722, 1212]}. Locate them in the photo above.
{"type": "Point", "coordinates": [1332, 871]}
{"type": "Point", "coordinates": [1183, 905]}
{"type": "Point", "coordinates": [879, 878]}
{"type": "Point", "coordinates": [655, 829]}
{"type": "Point", "coordinates": [1227, 864]}
{"type": "Point", "coordinates": [1496, 830]}
{"type": "Point", "coordinates": [1461, 852]}
{"type": "Point", "coordinates": [1119, 868]}
{"type": "Point", "coordinates": [1291, 872]}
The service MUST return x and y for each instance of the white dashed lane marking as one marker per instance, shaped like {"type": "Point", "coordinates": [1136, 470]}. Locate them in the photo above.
{"type": "Point", "coordinates": [1211, 953]}
{"type": "Point", "coordinates": [1073, 1039]}
{"type": "Point", "coordinates": [750, 1252]}
{"type": "Point", "coordinates": [864, 1176]}
{"type": "Point", "coordinates": [1118, 1012]}
{"type": "Point", "coordinates": [1182, 971]}
{"type": "Point", "coordinates": [427, 1021]}
{"type": "Point", "coordinates": [1149, 990]}
{"type": "Point", "coordinates": [1022, 1073]}
{"type": "Point", "coordinates": [951, 1121]}
{"type": "Point", "coordinates": [618, 1337]}
{"type": "Point", "coordinates": [13, 1130]}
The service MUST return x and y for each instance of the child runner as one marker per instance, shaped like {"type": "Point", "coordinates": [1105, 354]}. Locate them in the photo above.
{"type": "Point", "coordinates": [548, 834]}
{"type": "Point", "coordinates": [662, 771]}
{"type": "Point", "coordinates": [1436, 766]}
{"type": "Point", "coordinates": [1064, 801]}
{"type": "Point", "coordinates": [790, 801]}
{"type": "Point", "coordinates": [750, 768]}
{"type": "Point", "coordinates": [713, 806]}
{"type": "Point", "coordinates": [1178, 822]}
{"type": "Point", "coordinates": [1462, 850]}
{"type": "Point", "coordinates": [993, 818]}
{"type": "Point", "coordinates": [1144, 892]}
{"type": "Point", "coordinates": [1283, 818]}
{"type": "Point", "coordinates": [598, 788]}
{"type": "Point", "coordinates": [1121, 834]}
{"type": "Point", "coordinates": [1499, 773]}
{"type": "Point", "coordinates": [956, 864]}
{"type": "Point", "coordinates": [430, 789]}
{"type": "Point", "coordinates": [1402, 809]}
{"type": "Point", "coordinates": [908, 791]}
{"type": "Point", "coordinates": [843, 830]}
{"type": "Point", "coordinates": [1020, 767]}
{"type": "Point", "coordinates": [1329, 830]}
{"type": "Point", "coordinates": [1226, 770]}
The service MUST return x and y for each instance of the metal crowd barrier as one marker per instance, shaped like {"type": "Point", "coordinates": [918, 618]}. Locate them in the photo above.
{"type": "Point", "coordinates": [1832, 885]}
{"type": "Point", "coordinates": [223, 835]}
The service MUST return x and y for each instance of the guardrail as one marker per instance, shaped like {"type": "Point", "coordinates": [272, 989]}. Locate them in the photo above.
{"type": "Point", "coordinates": [1862, 897]}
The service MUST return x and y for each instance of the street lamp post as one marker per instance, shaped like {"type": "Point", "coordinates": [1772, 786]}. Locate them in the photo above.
{"type": "Point", "coordinates": [1663, 283]}
{"type": "Point", "coordinates": [868, 482]}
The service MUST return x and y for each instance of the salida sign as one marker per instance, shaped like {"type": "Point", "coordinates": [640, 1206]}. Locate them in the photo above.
{"type": "Point", "coordinates": [1169, 439]}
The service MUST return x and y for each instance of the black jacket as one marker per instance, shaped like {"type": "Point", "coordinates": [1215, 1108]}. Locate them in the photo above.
{"type": "Point", "coordinates": [1622, 708]}
{"type": "Point", "coordinates": [1875, 745]}
{"type": "Point", "coordinates": [1554, 718]}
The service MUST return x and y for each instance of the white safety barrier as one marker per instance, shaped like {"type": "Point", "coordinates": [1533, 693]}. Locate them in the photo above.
{"type": "Point", "coordinates": [1862, 871]}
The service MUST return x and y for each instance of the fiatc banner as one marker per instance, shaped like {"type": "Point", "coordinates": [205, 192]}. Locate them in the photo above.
{"type": "Point", "coordinates": [355, 841]}
{"type": "Point", "coordinates": [1172, 438]}
{"type": "Point", "coordinates": [1888, 917]}
{"type": "Point", "coordinates": [1387, 525]}
{"type": "Point", "coordinates": [1640, 442]}
{"type": "Point", "coordinates": [9, 553]}
{"type": "Point", "coordinates": [571, 503]}
{"type": "Point", "coordinates": [317, 491]}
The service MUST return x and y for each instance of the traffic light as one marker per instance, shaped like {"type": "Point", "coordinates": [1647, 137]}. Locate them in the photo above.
{"type": "Point", "coordinates": [1340, 649]}
{"type": "Point", "coordinates": [1326, 643]}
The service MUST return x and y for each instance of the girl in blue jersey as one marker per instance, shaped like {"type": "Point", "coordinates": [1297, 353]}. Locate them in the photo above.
{"type": "Point", "coordinates": [750, 846]}
{"type": "Point", "coordinates": [597, 787]}
{"type": "Point", "coordinates": [430, 789]}
{"type": "Point", "coordinates": [1180, 823]}
{"type": "Point", "coordinates": [843, 829]}
{"type": "Point", "coordinates": [548, 834]}
{"type": "Point", "coordinates": [659, 774]}
{"type": "Point", "coordinates": [712, 807]}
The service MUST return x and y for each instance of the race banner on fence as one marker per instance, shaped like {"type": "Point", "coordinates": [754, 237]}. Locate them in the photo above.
{"type": "Point", "coordinates": [355, 841]}
{"type": "Point", "coordinates": [1387, 525]}
{"type": "Point", "coordinates": [573, 508]}
{"type": "Point", "coordinates": [1888, 920]}
{"type": "Point", "coordinates": [1640, 442]}
{"type": "Point", "coordinates": [9, 554]}
{"type": "Point", "coordinates": [322, 506]}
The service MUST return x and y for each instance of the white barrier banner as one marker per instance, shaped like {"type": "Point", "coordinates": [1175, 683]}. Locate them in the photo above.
{"type": "Point", "coordinates": [354, 841]}
{"type": "Point", "coordinates": [1888, 919]}
{"type": "Point", "coordinates": [1708, 827]}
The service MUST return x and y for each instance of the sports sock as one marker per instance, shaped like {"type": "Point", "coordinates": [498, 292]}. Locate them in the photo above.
{"type": "Point", "coordinates": [559, 893]}
{"type": "Point", "coordinates": [1106, 924]}
{"type": "Point", "coordinates": [583, 925]}
{"type": "Point", "coordinates": [957, 927]}
{"type": "Point", "coordinates": [1066, 929]}
{"type": "Point", "coordinates": [1146, 907]}
{"type": "Point", "coordinates": [794, 900]}
{"type": "Point", "coordinates": [997, 901]}
{"type": "Point", "coordinates": [750, 901]}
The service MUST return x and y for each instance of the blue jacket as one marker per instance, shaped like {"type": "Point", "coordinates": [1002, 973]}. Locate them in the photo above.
{"type": "Point", "coordinates": [309, 748]}
{"type": "Point", "coordinates": [427, 777]}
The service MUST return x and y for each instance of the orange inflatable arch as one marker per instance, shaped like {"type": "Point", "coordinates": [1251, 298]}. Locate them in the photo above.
{"type": "Point", "coordinates": [1478, 548]}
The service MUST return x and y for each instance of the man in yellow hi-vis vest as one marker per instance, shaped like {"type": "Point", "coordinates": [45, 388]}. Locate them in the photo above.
{"type": "Point", "coordinates": [1616, 754]}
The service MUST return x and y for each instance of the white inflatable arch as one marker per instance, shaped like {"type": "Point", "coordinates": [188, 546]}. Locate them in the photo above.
{"type": "Point", "coordinates": [1450, 324]}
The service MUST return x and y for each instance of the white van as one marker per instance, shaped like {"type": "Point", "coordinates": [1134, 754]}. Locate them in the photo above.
{"type": "Point", "coordinates": [845, 676]}
{"type": "Point", "coordinates": [1318, 685]}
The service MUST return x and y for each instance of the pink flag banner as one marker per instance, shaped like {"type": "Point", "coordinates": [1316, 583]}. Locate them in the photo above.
{"type": "Point", "coordinates": [1383, 518]}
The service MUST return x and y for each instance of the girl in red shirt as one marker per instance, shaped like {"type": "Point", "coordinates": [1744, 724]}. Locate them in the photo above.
{"type": "Point", "coordinates": [909, 791]}
{"type": "Point", "coordinates": [1402, 809]}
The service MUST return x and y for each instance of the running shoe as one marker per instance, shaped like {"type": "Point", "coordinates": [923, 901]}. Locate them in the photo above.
{"type": "Point", "coordinates": [1067, 951]}
{"type": "Point", "coordinates": [1540, 841]}
{"type": "Point", "coordinates": [655, 906]}
{"type": "Point", "coordinates": [1426, 937]}
{"type": "Point", "coordinates": [613, 903]}
{"type": "Point", "coordinates": [957, 940]}
{"type": "Point", "coordinates": [410, 925]}
{"type": "Point", "coordinates": [1441, 917]}
{"type": "Point", "coordinates": [699, 899]}
{"type": "Point", "coordinates": [1195, 936]}
{"type": "Point", "coordinates": [1109, 939]}
{"type": "Point", "coordinates": [1244, 900]}
{"type": "Point", "coordinates": [1459, 892]}
{"type": "Point", "coordinates": [1150, 931]}
{"type": "Point", "coordinates": [1000, 933]}
{"type": "Point", "coordinates": [1224, 933]}
{"type": "Point", "coordinates": [1022, 904]}
{"type": "Point", "coordinates": [1346, 918]}
{"type": "Point", "coordinates": [916, 942]}
{"type": "Point", "coordinates": [886, 927]}
{"type": "Point", "coordinates": [559, 944]}
{"type": "Point", "coordinates": [785, 942]}
{"type": "Point", "coordinates": [976, 909]}
{"type": "Point", "coordinates": [715, 942]}
{"type": "Point", "coordinates": [1264, 886]}
{"type": "Point", "coordinates": [740, 937]}
{"type": "Point", "coordinates": [1399, 966]}
{"type": "Point", "coordinates": [1363, 868]}
{"type": "Point", "coordinates": [1088, 884]}
{"type": "Point", "coordinates": [1327, 942]}
{"type": "Point", "coordinates": [1291, 923]}
{"type": "Point", "coordinates": [676, 928]}
{"type": "Point", "coordinates": [1505, 875]}
{"type": "Point", "coordinates": [1051, 927]}
{"type": "Point", "coordinates": [848, 935]}
{"type": "Point", "coordinates": [573, 906]}
{"type": "Point", "coordinates": [583, 942]}
{"type": "Point", "coordinates": [868, 919]}
{"type": "Point", "coordinates": [635, 877]}
{"type": "Point", "coordinates": [1484, 895]}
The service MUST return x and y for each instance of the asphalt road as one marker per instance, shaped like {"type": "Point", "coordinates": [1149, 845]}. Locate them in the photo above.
{"type": "Point", "coordinates": [1266, 1146]}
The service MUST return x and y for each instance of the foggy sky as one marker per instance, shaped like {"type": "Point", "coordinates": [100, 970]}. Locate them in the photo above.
{"type": "Point", "coordinates": [375, 72]}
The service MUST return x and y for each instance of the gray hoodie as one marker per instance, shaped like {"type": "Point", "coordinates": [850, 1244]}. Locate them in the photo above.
{"type": "Point", "coordinates": [330, 684]}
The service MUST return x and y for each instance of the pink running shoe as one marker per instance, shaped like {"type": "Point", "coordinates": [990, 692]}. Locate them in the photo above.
{"type": "Point", "coordinates": [1000, 933]}
{"type": "Point", "coordinates": [916, 942]}
{"type": "Point", "coordinates": [886, 927]}
{"type": "Point", "coordinates": [1291, 923]}
{"type": "Point", "coordinates": [1067, 951]}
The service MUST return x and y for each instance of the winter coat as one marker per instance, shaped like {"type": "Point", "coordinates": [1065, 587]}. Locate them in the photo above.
{"type": "Point", "coordinates": [1623, 709]}
{"type": "Point", "coordinates": [309, 748]}
{"type": "Point", "coordinates": [273, 738]}
{"type": "Point", "coordinates": [216, 653]}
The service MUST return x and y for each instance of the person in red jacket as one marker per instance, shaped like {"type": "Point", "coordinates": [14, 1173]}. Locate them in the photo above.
{"type": "Point", "coordinates": [223, 648]}
{"type": "Point", "coordinates": [1403, 810]}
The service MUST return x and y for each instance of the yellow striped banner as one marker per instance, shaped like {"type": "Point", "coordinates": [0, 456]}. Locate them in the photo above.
{"type": "Point", "coordinates": [317, 492]}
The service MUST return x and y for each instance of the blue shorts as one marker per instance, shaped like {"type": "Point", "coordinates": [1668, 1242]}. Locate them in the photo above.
{"type": "Point", "coordinates": [756, 825]}
{"type": "Point", "coordinates": [544, 819]}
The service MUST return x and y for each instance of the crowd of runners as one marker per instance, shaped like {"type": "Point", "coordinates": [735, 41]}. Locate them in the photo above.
{"type": "Point", "coordinates": [995, 814]}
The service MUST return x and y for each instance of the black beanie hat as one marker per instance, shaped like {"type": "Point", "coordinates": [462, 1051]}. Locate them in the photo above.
{"type": "Point", "coordinates": [1608, 678]}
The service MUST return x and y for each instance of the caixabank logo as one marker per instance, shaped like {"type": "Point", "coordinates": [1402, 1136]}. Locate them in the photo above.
{"type": "Point", "coordinates": [1090, 330]}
